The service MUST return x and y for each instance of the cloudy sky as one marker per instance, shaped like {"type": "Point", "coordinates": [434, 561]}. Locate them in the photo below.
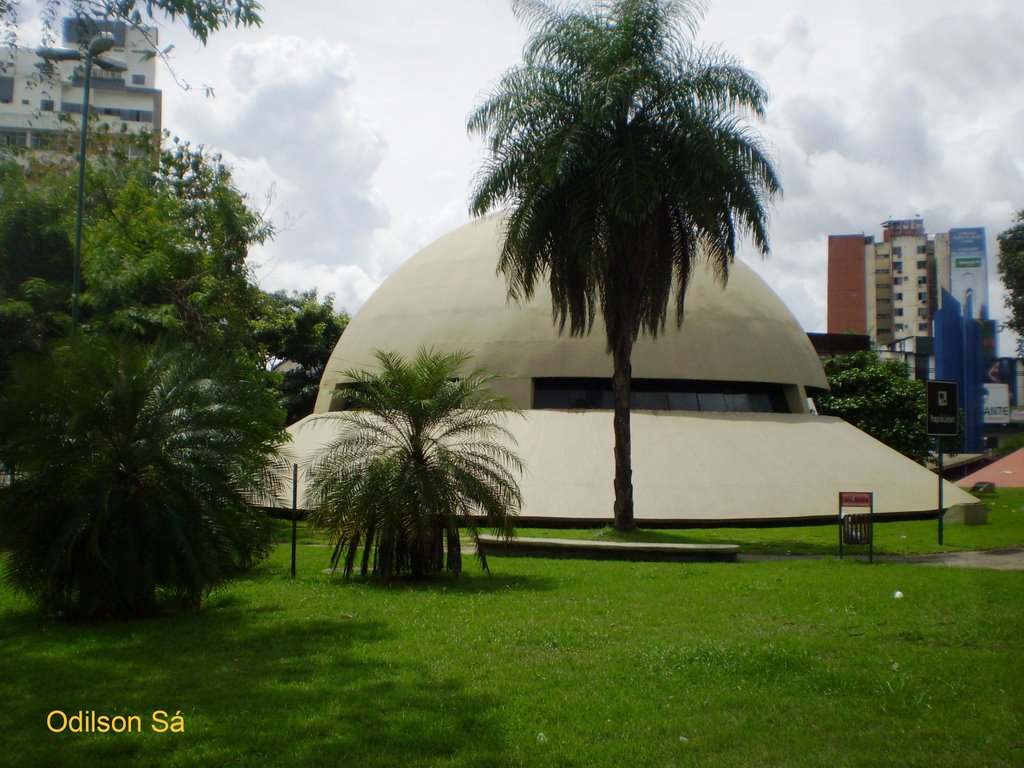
{"type": "Point", "coordinates": [351, 116]}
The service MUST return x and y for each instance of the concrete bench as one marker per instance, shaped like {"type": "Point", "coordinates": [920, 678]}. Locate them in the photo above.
{"type": "Point", "coordinates": [495, 546]}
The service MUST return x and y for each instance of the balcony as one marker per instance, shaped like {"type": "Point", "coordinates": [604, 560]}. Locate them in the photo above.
{"type": "Point", "coordinates": [101, 79]}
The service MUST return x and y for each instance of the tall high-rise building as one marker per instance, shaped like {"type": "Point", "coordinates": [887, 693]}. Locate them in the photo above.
{"type": "Point", "coordinates": [924, 301]}
{"type": "Point", "coordinates": [41, 102]}
{"type": "Point", "coordinates": [890, 290]}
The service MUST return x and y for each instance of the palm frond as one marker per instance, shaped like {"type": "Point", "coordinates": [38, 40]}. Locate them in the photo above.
{"type": "Point", "coordinates": [620, 149]}
{"type": "Point", "coordinates": [422, 451]}
{"type": "Point", "coordinates": [615, 123]}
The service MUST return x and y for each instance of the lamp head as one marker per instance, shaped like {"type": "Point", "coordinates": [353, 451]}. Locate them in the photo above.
{"type": "Point", "coordinates": [58, 54]}
{"type": "Point", "coordinates": [111, 65]}
{"type": "Point", "coordinates": [102, 43]}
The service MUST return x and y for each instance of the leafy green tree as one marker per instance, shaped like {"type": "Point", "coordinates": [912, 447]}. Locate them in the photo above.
{"type": "Point", "coordinates": [165, 251]}
{"type": "Point", "coordinates": [297, 333]}
{"type": "Point", "coordinates": [1011, 445]}
{"type": "Point", "coordinates": [1011, 270]}
{"type": "Point", "coordinates": [621, 151]}
{"type": "Point", "coordinates": [879, 397]}
{"type": "Point", "coordinates": [421, 451]}
{"type": "Point", "coordinates": [137, 471]}
{"type": "Point", "coordinates": [165, 248]}
{"type": "Point", "coordinates": [35, 266]}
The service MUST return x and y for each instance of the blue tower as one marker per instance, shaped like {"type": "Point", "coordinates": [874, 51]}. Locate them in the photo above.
{"type": "Point", "coordinates": [958, 357]}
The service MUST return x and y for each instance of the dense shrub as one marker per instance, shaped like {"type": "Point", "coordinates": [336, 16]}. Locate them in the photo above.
{"type": "Point", "coordinates": [136, 470]}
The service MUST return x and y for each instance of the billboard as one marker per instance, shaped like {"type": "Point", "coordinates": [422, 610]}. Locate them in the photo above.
{"type": "Point", "coordinates": [997, 403]}
{"type": "Point", "coordinates": [968, 270]}
{"type": "Point", "coordinates": [1002, 370]}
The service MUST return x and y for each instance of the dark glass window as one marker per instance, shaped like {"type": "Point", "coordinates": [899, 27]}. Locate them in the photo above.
{"type": "Point", "coordinates": [660, 395]}
{"type": "Point", "coordinates": [921, 364]}
{"type": "Point", "coordinates": [683, 401]}
{"type": "Point", "coordinates": [13, 138]}
{"type": "Point", "coordinates": [136, 115]}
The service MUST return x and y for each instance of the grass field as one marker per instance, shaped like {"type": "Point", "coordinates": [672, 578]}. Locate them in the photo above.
{"type": "Point", "coordinates": [546, 663]}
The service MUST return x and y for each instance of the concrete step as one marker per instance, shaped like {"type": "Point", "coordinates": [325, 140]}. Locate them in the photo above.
{"type": "Point", "coordinates": [495, 546]}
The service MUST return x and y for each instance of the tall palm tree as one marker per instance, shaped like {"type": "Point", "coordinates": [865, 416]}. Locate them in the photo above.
{"type": "Point", "coordinates": [137, 474]}
{"type": "Point", "coordinates": [422, 450]}
{"type": "Point", "coordinates": [622, 153]}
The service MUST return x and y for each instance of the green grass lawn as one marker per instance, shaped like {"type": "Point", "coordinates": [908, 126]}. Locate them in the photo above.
{"type": "Point", "coordinates": [543, 663]}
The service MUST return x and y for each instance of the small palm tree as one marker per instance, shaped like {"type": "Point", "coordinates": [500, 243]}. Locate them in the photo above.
{"type": "Point", "coordinates": [136, 476]}
{"type": "Point", "coordinates": [622, 154]}
{"type": "Point", "coordinates": [422, 451]}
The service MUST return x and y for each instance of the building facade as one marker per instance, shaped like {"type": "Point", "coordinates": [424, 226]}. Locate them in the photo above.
{"type": "Point", "coordinates": [892, 289]}
{"type": "Point", "coordinates": [41, 102]}
{"type": "Point", "coordinates": [924, 300]}
{"type": "Point", "coordinates": [721, 428]}
{"type": "Point", "coordinates": [887, 290]}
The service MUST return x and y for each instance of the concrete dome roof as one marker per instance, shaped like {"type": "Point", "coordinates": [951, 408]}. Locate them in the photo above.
{"type": "Point", "coordinates": [449, 297]}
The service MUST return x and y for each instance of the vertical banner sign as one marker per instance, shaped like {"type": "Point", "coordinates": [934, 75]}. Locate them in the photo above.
{"type": "Point", "coordinates": [855, 525]}
{"type": "Point", "coordinates": [943, 421]}
{"type": "Point", "coordinates": [968, 271]}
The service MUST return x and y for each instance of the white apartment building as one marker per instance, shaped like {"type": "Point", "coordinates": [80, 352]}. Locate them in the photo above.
{"type": "Point", "coordinates": [905, 249]}
{"type": "Point", "coordinates": [41, 102]}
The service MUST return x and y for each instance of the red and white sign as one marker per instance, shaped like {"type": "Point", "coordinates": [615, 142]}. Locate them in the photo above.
{"type": "Point", "coordinates": [854, 499]}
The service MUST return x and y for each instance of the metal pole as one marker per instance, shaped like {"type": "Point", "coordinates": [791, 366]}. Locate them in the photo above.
{"type": "Point", "coordinates": [77, 275]}
{"type": "Point", "coordinates": [295, 510]}
{"type": "Point", "coordinates": [938, 442]}
{"type": "Point", "coordinates": [871, 530]}
{"type": "Point", "coordinates": [840, 525]}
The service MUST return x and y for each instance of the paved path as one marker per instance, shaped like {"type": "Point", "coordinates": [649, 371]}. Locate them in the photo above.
{"type": "Point", "coordinates": [996, 559]}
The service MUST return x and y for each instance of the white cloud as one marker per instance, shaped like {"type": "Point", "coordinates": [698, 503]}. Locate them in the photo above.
{"type": "Point", "coordinates": [350, 283]}
{"type": "Point", "coordinates": [287, 112]}
{"type": "Point", "coordinates": [917, 115]}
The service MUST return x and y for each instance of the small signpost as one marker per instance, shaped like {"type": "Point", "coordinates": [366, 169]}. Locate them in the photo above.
{"type": "Point", "coordinates": [295, 511]}
{"type": "Point", "coordinates": [943, 421]}
{"type": "Point", "coordinates": [857, 527]}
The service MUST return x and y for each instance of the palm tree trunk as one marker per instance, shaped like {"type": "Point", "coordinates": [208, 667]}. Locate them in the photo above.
{"type": "Point", "coordinates": [436, 562]}
{"type": "Point", "coordinates": [454, 551]}
{"type": "Point", "coordinates": [622, 369]}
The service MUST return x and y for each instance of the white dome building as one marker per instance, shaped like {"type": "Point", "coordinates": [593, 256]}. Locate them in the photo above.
{"type": "Point", "coordinates": [721, 430]}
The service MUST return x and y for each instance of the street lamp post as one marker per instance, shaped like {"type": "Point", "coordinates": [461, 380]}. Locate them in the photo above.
{"type": "Point", "coordinates": [98, 45]}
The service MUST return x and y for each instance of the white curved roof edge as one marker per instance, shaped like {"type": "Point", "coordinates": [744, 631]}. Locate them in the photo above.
{"type": "Point", "coordinates": [701, 467]}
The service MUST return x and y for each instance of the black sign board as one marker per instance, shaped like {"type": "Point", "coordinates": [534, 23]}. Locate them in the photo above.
{"type": "Point", "coordinates": [943, 412]}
